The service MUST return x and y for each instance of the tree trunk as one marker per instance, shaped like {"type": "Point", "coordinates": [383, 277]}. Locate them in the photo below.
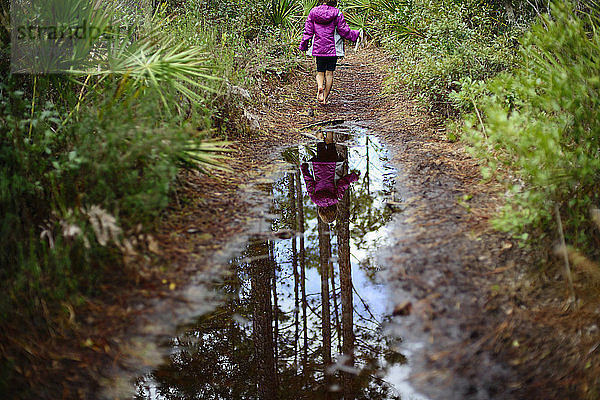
{"type": "Point", "coordinates": [292, 200]}
{"type": "Point", "coordinates": [343, 232]}
{"type": "Point", "coordinates": [275, 302]}
{"type": "Point", "coordinates": [301, 256]}
{"type": "Point", "coordinates": [367, 177]}
{"type": "Point", "coordinates": [324, 257]}
{"type": "Point", "coordinates": [336, 312]}
{"type": "Point", "coordinates": [262, 323]}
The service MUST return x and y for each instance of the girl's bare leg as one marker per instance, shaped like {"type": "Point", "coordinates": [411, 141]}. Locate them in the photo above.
{"type": "Point", "coordinates": [329, 137]}
{"type": "Point", "coordinates": [328, 85]}
{"type": "Point", "coordinates": [320, 86]}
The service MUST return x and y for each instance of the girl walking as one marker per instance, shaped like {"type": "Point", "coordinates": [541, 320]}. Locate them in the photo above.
{"type": "Point", "coordinates": [327, 28]}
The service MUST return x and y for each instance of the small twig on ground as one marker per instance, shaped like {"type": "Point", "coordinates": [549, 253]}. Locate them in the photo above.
{"type": "Point", "coordinates": [479, 118]}
{"type": "Point", "coordinates": [321, 123]}
{"type": "Point", "coordinates": [572, 299]}
{"type": "Point", "coordinates": [308, 135]}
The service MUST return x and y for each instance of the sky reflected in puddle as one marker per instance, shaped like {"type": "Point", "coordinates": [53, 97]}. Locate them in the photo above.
{"type": "Point", "coordinates": [269, 338]}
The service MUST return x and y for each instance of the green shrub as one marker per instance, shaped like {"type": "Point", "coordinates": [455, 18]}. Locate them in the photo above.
{"type": "Point", "coordinates": [32, 271]}
{"type": "Point", "coordinates": [451, 40]}
{"type": "Point", "coordinates": [111, 140]}
{"type": "Point", "coordinates": [86, 158]}
{"type": "Point", "coordinates": [81, 163]}
{"type": "Point", "coordinates": [124, 160]}
{"type": "Point", "coordinates": [543, 120]}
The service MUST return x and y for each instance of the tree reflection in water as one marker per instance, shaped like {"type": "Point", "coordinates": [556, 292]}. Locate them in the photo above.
{"type": "Point", "coordinates": [303, 317]}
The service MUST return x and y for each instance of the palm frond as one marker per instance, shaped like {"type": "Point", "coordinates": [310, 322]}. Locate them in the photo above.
{"type": "Point", "coordinates": [307, 5]}
{"type": "Point", "coordinates": [358, 20]}
{"type": "Point", "coordinates": [155, 62]}
{"type": "Point", "coordinates": [206, 155]}
{"type": "Point", "coordinates": [283, 11]}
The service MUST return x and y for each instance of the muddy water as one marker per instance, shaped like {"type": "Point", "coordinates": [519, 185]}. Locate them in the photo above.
{"type": "Point", "coordinates": [304, 313]}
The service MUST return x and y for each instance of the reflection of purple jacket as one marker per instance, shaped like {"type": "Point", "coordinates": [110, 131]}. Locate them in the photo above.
{"type": "Point", "coordinates": [323, 189]}
{"type": "Point", "coordinates": [326, 26]}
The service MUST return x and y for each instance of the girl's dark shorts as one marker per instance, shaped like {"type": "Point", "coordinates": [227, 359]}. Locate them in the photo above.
{"type": "Point", "coordinates": [326, 63]}
{"type": "Point", "coordinates": [327, 152]}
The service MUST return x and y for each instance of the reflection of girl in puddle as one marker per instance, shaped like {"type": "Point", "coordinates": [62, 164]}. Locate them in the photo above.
{"type": "Point", "coordinates": [327, 186]}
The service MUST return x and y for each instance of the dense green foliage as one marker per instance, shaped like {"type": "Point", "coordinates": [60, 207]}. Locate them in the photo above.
{"type": "Point", "coordinates": [529, 94]}
{"type": "Point", "coordinates": [447, 40]}
{"type": "Point", "coordinates": [382, 20]}
{"type": "Point", "coordinates": [89, 154]}
{"type": "Point", "coordinates": [85, 157]}
{"type": "Point", "coordinates": [542, 120]}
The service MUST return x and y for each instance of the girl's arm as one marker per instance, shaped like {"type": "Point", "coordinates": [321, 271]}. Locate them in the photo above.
{"type": "Point", "coordinates": [344, 30]}
{"type": "Point", "coordinates": [344, 182]}
{"type": "Point", "coordinates": [308, 179]}
{"type": "Point", "coordinates": [309, 31]}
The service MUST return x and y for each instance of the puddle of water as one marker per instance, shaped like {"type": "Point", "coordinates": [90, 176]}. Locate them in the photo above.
{"type": "Point", "coordinates": [303, 314]}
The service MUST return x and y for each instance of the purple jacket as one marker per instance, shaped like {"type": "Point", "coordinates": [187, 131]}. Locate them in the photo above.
{"type": "Point", "coordinates": [326, 27]}
{"type": "Point", "coordinates": [323, 189]}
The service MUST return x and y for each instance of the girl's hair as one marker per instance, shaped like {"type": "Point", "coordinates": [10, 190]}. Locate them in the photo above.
{"type": "Point", "coordinates": [327, 214]}
{"type": "Point", "coordinates": [330, 3]}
